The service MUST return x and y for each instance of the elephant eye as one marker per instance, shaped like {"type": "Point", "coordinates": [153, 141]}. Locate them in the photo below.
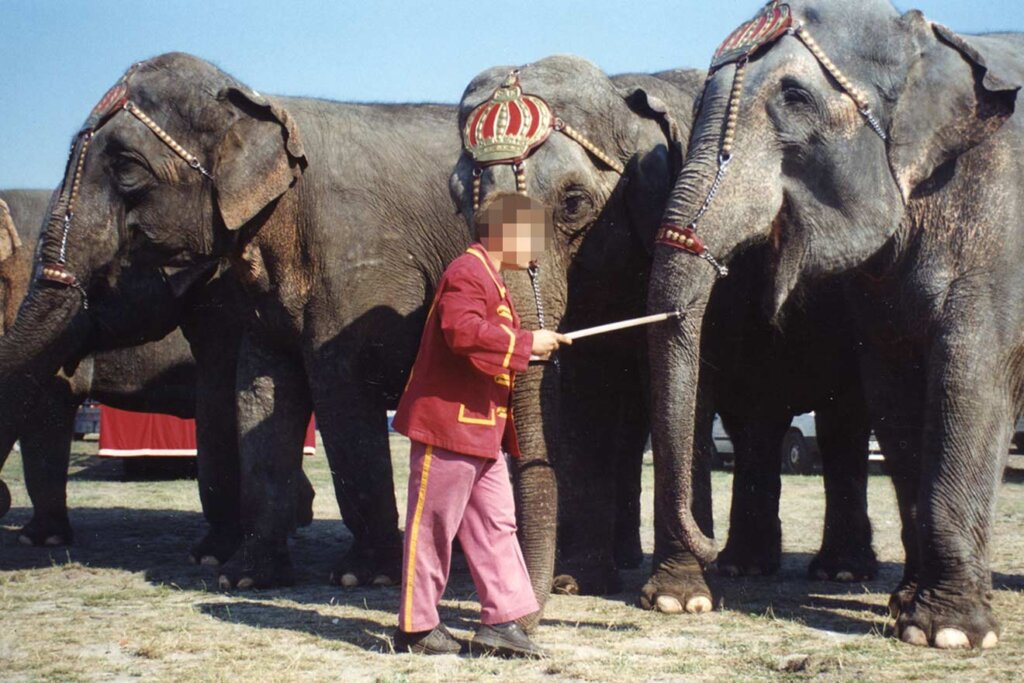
{"type": "Point", "coordinates": [795, 96]}
{"type": "Point", "coordinates": [131, 173]}
{"type": "Point", "coordinates": [575, 206]}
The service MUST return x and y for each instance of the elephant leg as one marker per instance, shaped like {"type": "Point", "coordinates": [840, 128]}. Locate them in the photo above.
{"type": "Point", "coordinates": [633, 430]}
{"type": "Point", "coordinates": [589, 500]}
{"type": "Point", "coordinates": [273, 412]}
{"type": "Point", "coordinates": [45, 453]}
{"type": "Point", "coordinates": [218, 462]}
{"type": "Point", "coordinates": [895, 393]}
{"type": "Point", "coordinates": [846, 554]}
{"type": "Point", "coordinates": [353, 425]}
{"type": "Point", "coordinates": [754, 547]}
{"type": "Point", "coordinates": [968, 425]}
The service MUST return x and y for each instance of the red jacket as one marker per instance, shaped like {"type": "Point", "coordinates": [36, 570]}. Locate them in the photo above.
{"type": "Point", "coordinates": [457, 396]}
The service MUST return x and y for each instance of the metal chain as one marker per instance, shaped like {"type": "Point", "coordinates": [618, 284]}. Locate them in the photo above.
{"type": "Point", "coordinates": [534, 272]}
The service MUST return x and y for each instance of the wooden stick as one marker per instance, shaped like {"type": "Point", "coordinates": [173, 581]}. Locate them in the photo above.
{"type": "Point", "coordinates": [622, 325]}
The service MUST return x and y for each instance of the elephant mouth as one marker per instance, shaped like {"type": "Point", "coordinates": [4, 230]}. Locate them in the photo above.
{"type": "Point", "coordinates": [782, 218]}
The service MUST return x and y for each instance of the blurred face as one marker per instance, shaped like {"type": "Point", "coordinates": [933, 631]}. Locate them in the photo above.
{"type": "Point", "coordinates": [517, 236]}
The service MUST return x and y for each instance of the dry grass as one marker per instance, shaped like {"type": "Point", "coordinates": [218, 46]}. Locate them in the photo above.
{"type": "Point", "coordinates": [122, 605]}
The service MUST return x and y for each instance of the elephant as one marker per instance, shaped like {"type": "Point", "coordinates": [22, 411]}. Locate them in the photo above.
{"type": "Point", "coordinates": [883, 148]}
{"type": "Point", "coordinates": [580, 497]}
{"type": "Point", "coordinates": [156, 376]}
{"type": "Point", "coordinates": [338, 250]}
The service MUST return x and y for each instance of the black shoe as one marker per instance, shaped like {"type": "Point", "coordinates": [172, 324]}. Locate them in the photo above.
{"type": "Point", "coordinates": [505, 640]}
{"type": "Point", "coordinates": [436, 642]}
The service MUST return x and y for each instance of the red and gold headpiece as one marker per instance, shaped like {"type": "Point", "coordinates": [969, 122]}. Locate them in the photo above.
{"type": "Point", "coordinates": [508, 126]}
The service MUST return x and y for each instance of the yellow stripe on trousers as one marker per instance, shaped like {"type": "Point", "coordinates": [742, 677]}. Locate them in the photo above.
{"type": "Point", "coordinates": [421, 499]}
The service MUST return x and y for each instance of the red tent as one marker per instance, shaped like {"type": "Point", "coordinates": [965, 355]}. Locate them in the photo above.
{"type": "Point", "coordinates": [125, 434]}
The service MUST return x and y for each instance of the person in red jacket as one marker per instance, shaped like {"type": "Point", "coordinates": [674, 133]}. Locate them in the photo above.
{"type": "Point", "coordinates": [455, 409]}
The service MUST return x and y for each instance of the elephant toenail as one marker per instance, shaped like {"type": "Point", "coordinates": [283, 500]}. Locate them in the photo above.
{"type": "Point", "coordinates": [224, 582]}
{"type": "Point", "coordinates": [349, 580]}
{"type": "Point", "coordinates": [54, 540]}
{"type": "Point", "coordinates": [25, 540]}
{"type": "Point", "coordinates": [246, 582]}
{"type": "Point", "coordinates": [209, 561]}
{"type": "Point", "coordinates": [912, 635]}
{"type": "Point", "coordinates": [383, 580]}
{"type": "Point", "coordinates": [990, 640]}
{"type": "Point", "coordinates": [698, 605]}
{"type": "Point", "coordinates": [844, 576]}
{"type": "Point", "coordinates": [666, 604]}
{"type": "Point", "coordinates": [951, 638]}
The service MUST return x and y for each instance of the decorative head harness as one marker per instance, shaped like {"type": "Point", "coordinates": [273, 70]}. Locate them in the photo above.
{"type": "Point", "coordinates": [509, 126]}
{"type": "Point", "coordinates": [115, 100]}
{"type": "Point", "coordinates": [774, 21]}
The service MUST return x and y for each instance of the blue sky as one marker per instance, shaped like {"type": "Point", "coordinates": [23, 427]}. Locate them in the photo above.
{"type": "Point", "coordinates": [57, 57]}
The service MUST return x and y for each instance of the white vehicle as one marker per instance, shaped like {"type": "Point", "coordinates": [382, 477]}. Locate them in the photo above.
{"type": "Point", "coordinates": [798, 452]}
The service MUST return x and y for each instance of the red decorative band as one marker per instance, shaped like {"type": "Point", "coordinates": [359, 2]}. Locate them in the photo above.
{"type": "Point", "coordinates": [770, 24]}
{"type": "Point", "coordinates": [56, 272]}
{"type": "Point", "coordinates": [680, 238]}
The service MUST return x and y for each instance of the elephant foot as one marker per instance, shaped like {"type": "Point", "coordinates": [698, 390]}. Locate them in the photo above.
{"type": "Point", "coordinates": [749, 557]}
{"type": "Point", "coordinates": [250, 569]}
{"type": "Point", "coordinates": [901, 598]}
{"type": "Point", "coordinates": [962, 624]}
{"type": "Point", "coordinates": [850, 566]}
{"type": "Point", "coordinates": [215, 548]}
{"type": "Point", "coordinates": [677, 590]}
{"type": "Point", "coordinates": [381, 566]}
{"type": "Point", "coordinates": [43, 532]}
{"type": "Point", "coordinates": [587, 578]}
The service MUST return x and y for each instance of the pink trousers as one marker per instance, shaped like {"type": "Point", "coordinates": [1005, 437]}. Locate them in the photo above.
{"type": "Point", "coordinates": [461, 495]}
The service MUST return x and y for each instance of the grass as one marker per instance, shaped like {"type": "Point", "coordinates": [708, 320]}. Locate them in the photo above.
{"type": "Point", "coordinates": [121, 604]}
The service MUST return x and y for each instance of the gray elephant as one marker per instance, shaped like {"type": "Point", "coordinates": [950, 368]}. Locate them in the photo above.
{"type": "Point", "coordinates": [601, 180]}
{"type": "Point", "coordinates": [156, 376]}
{"type": "Point", "coordinates": [888, 145]}
{"type": "Point", "coordinates": [338, 253]}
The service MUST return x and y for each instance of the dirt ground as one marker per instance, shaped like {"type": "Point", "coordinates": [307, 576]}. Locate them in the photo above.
{"type": "Point", "coordinates": [121, 604]}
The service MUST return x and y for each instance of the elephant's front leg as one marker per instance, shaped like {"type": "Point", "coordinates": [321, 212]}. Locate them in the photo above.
{"type": "Point", "coordinates": [894, 389]}
{"type": "Point", "coordinates": [273, 413]}
{"type": "Point", "coordinates": [969, 417]}
{"type": "Point", "coordinates": [589, 498]}
{"type": "Point", "coordinates": [45, 451]}
{"type": "Point", "coordinates": [353, 425]}
{"type": "Point", "coordinates": [754, 547]}
{"type": "Point", "coordinates": [846, 554]}
{"type": "Point", "coordinates": [218, 459]}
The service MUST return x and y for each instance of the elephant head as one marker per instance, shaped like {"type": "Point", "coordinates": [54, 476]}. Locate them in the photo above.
{"type": "Point", "coordinates": [601, 154]}
{"type": "Point", "coordinates": [814, 139]}
{"type": "Point", "coordinates": [13, 289]}
{"type": "Point", "coordinates": [171, 166]}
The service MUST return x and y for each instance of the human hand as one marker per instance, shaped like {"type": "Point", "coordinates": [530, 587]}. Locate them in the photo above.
{"type": "Point", "coordinates": [547, 341]}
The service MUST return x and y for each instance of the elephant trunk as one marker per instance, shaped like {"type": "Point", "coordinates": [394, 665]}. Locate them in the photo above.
{"type": "Point", "coordinates": [680, 282]}
{"type": "Point", "coordinates": [48, 332]}
{"type": "Point", "coordinates": [535, 405]}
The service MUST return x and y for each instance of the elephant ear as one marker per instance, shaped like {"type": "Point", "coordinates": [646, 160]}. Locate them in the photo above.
{"type": "Point", "coordinates": [9, 240]}
{"type": "Point", "coordinates": [955, 98]}
{"type": "Point", "coordinates": [653, 168]}
{"type": "Point", "coordinates": [260, 157]}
